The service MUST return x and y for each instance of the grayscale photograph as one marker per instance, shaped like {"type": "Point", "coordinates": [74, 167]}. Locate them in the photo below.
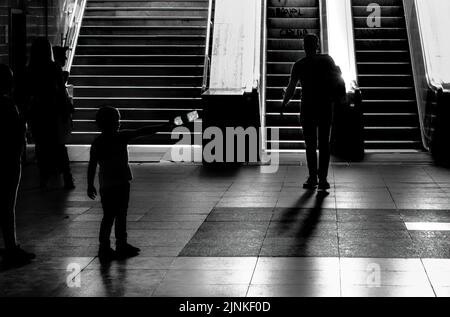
{"type": "Point", "coordinates": [221, 157]}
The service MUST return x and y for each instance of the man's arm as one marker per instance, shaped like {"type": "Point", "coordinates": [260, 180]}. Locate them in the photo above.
{"type": "Point", "coordinates": [92, 169]}
{"type": "Point", "coordinates": [290, 90]}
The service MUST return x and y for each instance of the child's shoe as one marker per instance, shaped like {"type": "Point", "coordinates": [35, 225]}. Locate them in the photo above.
{"type": "Point", "coordinates": [127, 251]}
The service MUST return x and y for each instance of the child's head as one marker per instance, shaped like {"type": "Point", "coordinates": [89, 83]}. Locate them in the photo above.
{"type": "Point", "coordinates": [108, 119]}
{"type": "Point", "coordinates": [6, 79]}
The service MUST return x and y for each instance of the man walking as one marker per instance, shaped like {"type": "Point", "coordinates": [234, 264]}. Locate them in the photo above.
{"type": "Point", "coordinates": [318, 75]}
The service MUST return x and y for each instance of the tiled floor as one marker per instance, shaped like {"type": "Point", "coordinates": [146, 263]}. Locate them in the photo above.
{"type": "Point", "coordinates": [382, 231]}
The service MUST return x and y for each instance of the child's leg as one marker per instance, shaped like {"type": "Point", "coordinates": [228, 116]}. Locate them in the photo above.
{"type": "Point", "coordinates": [109, 199]}
{"type": "Point", "coordinates": [121, 217]}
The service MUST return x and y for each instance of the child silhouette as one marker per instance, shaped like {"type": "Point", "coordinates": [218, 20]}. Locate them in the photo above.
{"type": "Point", "coordinates": [110, 152]}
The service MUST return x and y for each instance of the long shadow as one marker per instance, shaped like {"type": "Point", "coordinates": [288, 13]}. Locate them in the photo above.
{"type": "Point", "coordinates": [290, 212]}
{"type": "Point", "coordinates": [114, 282]}
{"type": "Point", "coordinates": [313, 218]}
{"type": "Point", "coordinates": [310, 217]}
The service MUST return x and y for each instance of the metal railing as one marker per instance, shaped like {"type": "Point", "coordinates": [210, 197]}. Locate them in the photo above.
{"type": "Point", "coordinates": [263, 74]}
{"type": "Point", "coordinates": [207, 61]}
{"type": "Point", "coordinates": [425, 87]}
{"type": "Point", "coordinates": [337, 38]}
{"type": "Point", "coordinates": [73, 30]}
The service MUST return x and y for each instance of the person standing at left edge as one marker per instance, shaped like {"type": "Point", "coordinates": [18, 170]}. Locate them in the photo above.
{"type": "Point", "coordinates": [12, 136]}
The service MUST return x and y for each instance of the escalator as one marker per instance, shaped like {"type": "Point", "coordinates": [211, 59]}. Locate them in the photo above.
{"type": "Point", "coordinates": [287, 22]}
{"type": "Point", "coordinates": [385, 77]}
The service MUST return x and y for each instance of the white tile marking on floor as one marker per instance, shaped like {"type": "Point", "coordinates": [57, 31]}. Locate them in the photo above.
{"type": "Point", "coordinates": [428, 226]}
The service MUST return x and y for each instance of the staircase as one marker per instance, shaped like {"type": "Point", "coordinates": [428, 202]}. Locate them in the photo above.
{"type": "Point", "coordinates": [143, 57]}
{"type": "Point", "coordinates": [287, 21]}
{"type": "Point", "coordinates": [386, 79]}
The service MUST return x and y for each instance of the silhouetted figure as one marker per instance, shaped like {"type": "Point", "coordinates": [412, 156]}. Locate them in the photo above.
{"type": "Point", "coordinates": [60, 56]}
{"type": "Point", "coordinates": [318, 75]}
{"type": "Point", "coordinates": [50, 113]}
{"type": "Point", "coordinates": [110, 152]}
{"type": "Point", "coordinates": [12, 135]}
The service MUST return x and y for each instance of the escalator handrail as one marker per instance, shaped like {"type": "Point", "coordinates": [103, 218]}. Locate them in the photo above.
{"type": "Point", "coordinates": [207, 60]}
{"type": "Point", "coordinates": [354, 86]}
{"type": "Point", "coordinates": [410, 6]}
{"type": "Point", "coordinates": [73, 31]}
{"type": "Point", "coordinates": [263, 73]}
{"type": "Point", "coordinates": [433, 85]}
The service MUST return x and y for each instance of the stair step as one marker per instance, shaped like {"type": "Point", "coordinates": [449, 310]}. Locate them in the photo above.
{"type": "Point", "coordinates": [384, 68]}
{"type": "Point", "coordinates": [139, 60]}
{"type": "Point", "coordinates": [162, 138]}
{"type": "Point", "coordinates": [385, 77]}
{"type": "Point", "coordinates": [137, 91]}
{"type": "Point", "coordinates": [140, 49]}
{"type": "Point", "coordinates": [146, 11]}
{"type": "Point", "coordinates": [143, 30]}
{"type": "Point", "coordinates": [386, 11]}
{"type": "Point", "coordinates": [292, 12]}
{"type": "Point", "coordinates": [142, 21]}
{"type": "Point", "coordinates": [128, 70]}
{"type": "Point", "coordinates": [162, 114]}
{"type": "Point", "coordinates": [141, 40]}
{"type": "Point", "coordinates": [386, 22]}
{"type": "Point", "coordinates": [293, 23]}
{"type": "Point", "coordinates": [144, 57]}
{"type": "Point", "coordinates": [120, 80]}
{"type": "Point", "coordinates": [139, 3]}
{"type": "Point", "coordinates": [386, 80]}
{"type": "Point", "coordinates": [138, 102]}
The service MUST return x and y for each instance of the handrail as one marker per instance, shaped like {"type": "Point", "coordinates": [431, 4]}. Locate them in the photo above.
{"type": "Point", "coordinates": [257, 47]}
{"type": "Point", "coordinates": [337, 30]}
{"type": "Point", "coordinates": [323, 26]}
{"type": "Point", "coordinates": [73, 30]}
{"type": "Point", "coordinates": [207, 61]}
{"type": "Point", "coordinates": [421, 69]}
{"type": "Point", "coordinates": [410, 8]}
{"type": "Point", "coordinates": [263, 74]}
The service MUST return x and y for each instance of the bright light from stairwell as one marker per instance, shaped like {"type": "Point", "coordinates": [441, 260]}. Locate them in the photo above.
{"type": "Point", "coordinates": [340, 39]}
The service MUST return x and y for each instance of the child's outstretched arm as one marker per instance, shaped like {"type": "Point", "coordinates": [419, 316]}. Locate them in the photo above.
{"type": "Point", "coordinates": [92, 169]}
{"type": "Point", "coordinates": [149, 130]}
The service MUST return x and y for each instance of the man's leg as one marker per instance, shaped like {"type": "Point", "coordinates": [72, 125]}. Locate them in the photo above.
{"type": "Point", "coordinates": [310, 135]}
{"type": "Point", "coordinates": [324, 150]}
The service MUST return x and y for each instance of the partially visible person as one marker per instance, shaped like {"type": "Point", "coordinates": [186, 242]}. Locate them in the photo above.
{"type": "Point", "coordinates": [110, 151]}
{"type": "Point", "coordinates": [50, 110]}
{"type": "Point", "coordinates": [319, 78]}
{"type": "Point", "coordinates": [60, 56]}
{"type": "Point", "coordinates": [65, 124]}
{"type": "Point", "coordinates": [12, 135]}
